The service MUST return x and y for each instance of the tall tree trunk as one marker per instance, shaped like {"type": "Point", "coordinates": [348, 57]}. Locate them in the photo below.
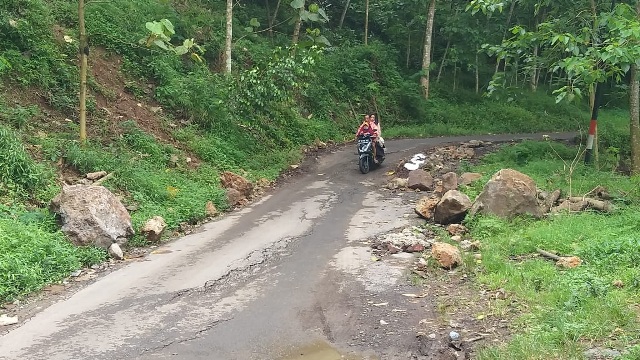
{"type": "Point", "coordinates": [455, 72]}
{"type": "Point", "coordinates": [533, 82]}
{"type": "Point", "coordinates": [426, 56]}
{"type": "Point", "coordinates": [477, 73]}
{"type": "Point", "coordinates": [634, 111]}
{"type": "Point", "coordinates": [344, 13]}
{"type": "Point", "coordinates": [272, 20]}
{"type": "Point", "coordinates": [298, 25]}
{"type": "Point", "coordinates": [227, 45]}
{"type": "Point", "coordinates": [634, 123]}
{"type": "Point", "coordinates": [444, 59]}
{"type": "Point", "coordinates": [84, 53]}
{"type": "Point", "coordinates": [504, 33]}
{"type": "Point", "coordinates": [408, 49]}
{"type": "Point", "coordinates": [269, 22]}
{"type": "Point", "coordinates": [517, 68]}
{"type": "Point", "coordinates": [366, 22]}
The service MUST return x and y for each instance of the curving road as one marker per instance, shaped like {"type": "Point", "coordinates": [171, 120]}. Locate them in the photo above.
{"type": "Point", "coordinates": [286, 276]}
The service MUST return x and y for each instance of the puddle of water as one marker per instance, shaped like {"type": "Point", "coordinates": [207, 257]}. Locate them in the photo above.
{"type": "Point", "coordinates": [321, 351]}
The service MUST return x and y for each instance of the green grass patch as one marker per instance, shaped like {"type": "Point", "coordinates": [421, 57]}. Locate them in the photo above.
{"type": "Point", "coordinates": [33, 253]}
{"type": "Point", "coordinates": [485, 116]}
{"type": "Point", "coordinates": [569, 310]}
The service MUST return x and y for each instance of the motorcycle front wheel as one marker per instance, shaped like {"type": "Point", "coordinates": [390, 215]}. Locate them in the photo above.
{"type": "Point", "coordinates": [365, 164]}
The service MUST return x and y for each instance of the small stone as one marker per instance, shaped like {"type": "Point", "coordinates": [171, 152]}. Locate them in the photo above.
{"type": "Point", "coordinates": [465, 245]}
{"type": "Point", "coordinates": [447, 255]}
{"type": "Point", "coordinates": [96, 175]}
{"type": "Point", "coordinates": [115, 251]}
{"type": "Point", "coordinates": [477, 256]}
{"type": "Point", "coordinates": [569, 262]}
{"type": "Point", "coordinates": [153, 228]}
{"type": "Point", "coordinates": [415, 248]}
{"type": "Point", "coordinates": [454, 336]}
{"type": "Point", "coordinates": [392, 249]}
{"type": "Point", "coordinates": [382, 322]}
{"type": "Point", "coordinates": [457, 229]}
{"type": "Point", "coordinates": [210, 209]}
{"type": "Point", "coordinates": [456, 238]}
{"type": "Point", "coordinates": [76, 273]}
{"type": "Point", "coordinates": [432, 336]}
{"type": "Point", "coordinates": [8, 320]}
{"type": "Point", "coordinates": [618, 283]}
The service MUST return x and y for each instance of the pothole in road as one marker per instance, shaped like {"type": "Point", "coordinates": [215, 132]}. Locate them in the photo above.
{"type": "Point", "coordinates": [321, 350]}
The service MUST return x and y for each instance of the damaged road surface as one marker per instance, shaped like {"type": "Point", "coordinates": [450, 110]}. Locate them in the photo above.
{"type": "Point", "coordinates": [289, 277]}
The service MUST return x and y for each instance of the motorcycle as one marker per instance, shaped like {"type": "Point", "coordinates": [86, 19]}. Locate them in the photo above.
{"type": "Point", "coordinates": [365, 153]}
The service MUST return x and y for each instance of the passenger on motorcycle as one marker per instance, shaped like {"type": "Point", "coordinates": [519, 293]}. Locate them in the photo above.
{"type": "Point", "coordinates": [376, 121]}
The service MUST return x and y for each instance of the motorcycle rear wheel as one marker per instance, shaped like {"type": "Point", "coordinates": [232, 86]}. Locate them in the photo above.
{"type": "Point", "coordinates": [365, 164]}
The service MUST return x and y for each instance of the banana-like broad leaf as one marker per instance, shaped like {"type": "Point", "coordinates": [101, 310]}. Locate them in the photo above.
{"type": "Point", "coordinates": [297, 4]}
{"type": "Point", "coordinates": [181, 50]}
{"type": "Point", "coordinates": [168, 26]}
{"type": "Point", "coordinates": [323, 14]}
{"type": "Point", "coordinates": [159, 43]}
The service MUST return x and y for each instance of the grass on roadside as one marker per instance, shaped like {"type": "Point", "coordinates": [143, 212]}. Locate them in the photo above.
{"type": "Point", "coordinates": [33, 253]}
{"type": "Point", "coordinates": [571, 310]}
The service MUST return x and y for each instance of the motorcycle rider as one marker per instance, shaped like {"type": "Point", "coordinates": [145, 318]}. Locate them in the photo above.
{"type": "Point", "coordinates": [369, 127]}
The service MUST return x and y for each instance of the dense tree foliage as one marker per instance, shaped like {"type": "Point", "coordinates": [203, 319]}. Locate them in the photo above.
{"type": "Point", "coordinates": [329, 60]}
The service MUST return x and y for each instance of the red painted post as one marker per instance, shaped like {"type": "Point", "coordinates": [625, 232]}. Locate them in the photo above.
{"type": "Point", "coordinates": [588, 155]}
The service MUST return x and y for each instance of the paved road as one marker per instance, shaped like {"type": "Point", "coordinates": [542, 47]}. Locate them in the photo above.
{"type": "Point", "coordinates": [256, 284]}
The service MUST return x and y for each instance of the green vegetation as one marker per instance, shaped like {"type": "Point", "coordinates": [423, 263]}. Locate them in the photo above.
{"type": "Point", "coordinates": [565, 311]}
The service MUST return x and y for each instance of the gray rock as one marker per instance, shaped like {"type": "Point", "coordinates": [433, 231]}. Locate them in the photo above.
{"type": "Point", "coordinates": [92, 215]}
{"type": "Point", "coordinates": [469, 178]}
{"type": "Point", "coordinates": [449, 181]}
{"type": "Point", "coordinates": [452, 207]}
{"type": "Point", "coordinates": [507, 194]}
{"type": "Point", "coordinates": [602, 353]}
{"type": "Point", "coordinates": [115, 251]}
{"type": "Point", "coordinates": [153, 228]}
{"type": "Point", "coordinates": [235, 197]}
{"type": "Point", "coordinates": [420, 180]}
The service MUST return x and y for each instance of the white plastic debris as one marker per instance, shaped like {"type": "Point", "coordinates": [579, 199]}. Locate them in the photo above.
{"type": "Point", "coordinates": [415, 162]}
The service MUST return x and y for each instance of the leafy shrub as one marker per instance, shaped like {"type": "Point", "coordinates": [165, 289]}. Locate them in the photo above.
{"type": "Point", "coordinates": [18, 116]}
{"type": "Point", "coordinates": [29, 46]}
{"type": "Point", "coordinates": [17, 167]}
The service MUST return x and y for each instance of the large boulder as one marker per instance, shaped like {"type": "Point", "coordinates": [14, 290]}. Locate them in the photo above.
{"type": "Point", "coordinates": [231, 180]}
{"type": "Point", "coordinates": [420, 180]}
{"type": "Point", "coordinates": [92, 215]}
{"type": "Point", "coordinates": [452, 207]}
{"type": "Point", "coordinates": [508, 193]}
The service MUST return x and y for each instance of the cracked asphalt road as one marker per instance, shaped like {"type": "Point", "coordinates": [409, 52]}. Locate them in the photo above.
{"type": "Point", "coordinates": [259, 283]}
